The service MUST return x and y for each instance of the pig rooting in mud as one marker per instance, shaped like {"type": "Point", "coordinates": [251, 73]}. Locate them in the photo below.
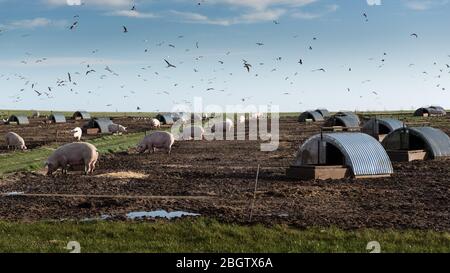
{"type": "Point", "coordinates": [71, 155]}
{"type": "Point", "coordinates": [157, 140]}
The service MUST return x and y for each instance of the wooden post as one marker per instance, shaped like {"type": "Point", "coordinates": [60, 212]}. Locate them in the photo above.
{"type": "Point", "coordinates": [254, 193]}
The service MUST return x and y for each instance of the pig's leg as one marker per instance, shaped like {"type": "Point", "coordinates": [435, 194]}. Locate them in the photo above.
{"type": "Point", "coordinates": [64, 166]}
{"type": "Point", "coordinates": [87, 167]}
{"type": "Point", "coordinates": [92, 166]}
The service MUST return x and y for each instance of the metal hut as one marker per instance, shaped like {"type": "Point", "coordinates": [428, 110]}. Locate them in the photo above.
{"type": "Point", "coordinates": [380, 127]}
{"type": "Point", "coordinates": [417, 143]}
{"type": "Point", "coordinates": [350, 122]}
{"type": "Point", "coordinates": [81, 115]}
{"type": "Point", "coordinates": [339, 155]}
{"type": "Point", "coordinates": [310, 116]}
{"type": "Point", "coordinates": [349, 114]}
{"type": "Point", "coordinates": [324, 112]}
{"type": "Point", "coordinates": [18, 119]}
{"type": "Point", "coordinates": [99, 125]}
{"type": "Point", "coordinates": [167, 119]}
{"type": "Point", "coordinates": [432, 111]}
{"type": "Point", "coordinates": [57, 118]}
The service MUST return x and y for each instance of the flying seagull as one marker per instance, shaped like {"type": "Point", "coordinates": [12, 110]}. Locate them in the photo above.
{"type": "Point", "coordinates": [415, 35]}
{"type": "Point", "coordinates": [125, 29]}
{"type": "Point", "coordinates": [247, 66]}
{"type": "Point", "coordinates": [169, 65]}
{"type": "Point", "coordinates": [365, 16]}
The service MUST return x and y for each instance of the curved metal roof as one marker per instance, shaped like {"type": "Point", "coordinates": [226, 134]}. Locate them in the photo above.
{"type": "Point", "coordinates": [82, 114]}
{"type": "Point", "coordinates": [166, 118]}
{"type": "Point", "coordinates": [20, 119]}
{"type": "Point", "coordinates": [101, 123]}
{"type": "Point", "coordinates": [432, 111]}
{"type": "Point", "coordinates": [372, 125]}
{"type": "Point", "coordinates": [57, 118]}
{"type": "Point", "coordinates": [348, 114]}
{"type": "Point", "coordinates": [347, 121]}
{"type": "Point", "coordinates": [362, 153]}
{"type": "Point", "coordinates": [314, 115]}
{"type": "Point", "coordinates": [437, 143]}
{"type": "Point", "coordinates": [324, 112]}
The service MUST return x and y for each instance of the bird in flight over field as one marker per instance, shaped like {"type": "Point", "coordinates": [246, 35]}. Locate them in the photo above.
{"type": "Point", "coordinates": [169, 65]}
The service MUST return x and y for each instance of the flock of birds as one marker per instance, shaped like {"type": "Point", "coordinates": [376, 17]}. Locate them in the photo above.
{"type": "Point", "coordinates": [71, 80]}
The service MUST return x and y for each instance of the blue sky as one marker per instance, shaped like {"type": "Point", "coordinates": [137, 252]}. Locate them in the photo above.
{"type": "Point", "coordinates": [390, 69]}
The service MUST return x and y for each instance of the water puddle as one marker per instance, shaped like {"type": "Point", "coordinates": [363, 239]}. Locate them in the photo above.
{"type": "Point", "coordinates": [101, 218]}
{"type": "Point", "coordinates": [14, 193]}
{"type": "Point", "coordinates": [159, 214]}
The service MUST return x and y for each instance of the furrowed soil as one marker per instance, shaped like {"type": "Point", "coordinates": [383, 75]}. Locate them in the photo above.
{"type": "Point", "coordinates": [222, 174]}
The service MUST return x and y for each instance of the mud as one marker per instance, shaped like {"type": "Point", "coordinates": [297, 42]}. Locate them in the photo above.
{"type": "Point", "coordinates": [223, 173]}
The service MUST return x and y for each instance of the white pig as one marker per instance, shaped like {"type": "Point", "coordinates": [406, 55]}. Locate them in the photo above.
{"type": "Point", "coordinates": [77, 133]}
{"type": "Point", "coordinates": [242, 119]}
{"type": "Point", "coordinates": [223, 126]}
{"type": "Point", "coordinates": [14, 140]}
{"type": "Point", "coordinates": [117, 129]}
{"type": "Point", "coordinates": [193, 132]}
{"type": "Point", "coordinates": [73, 154]}
{"type": "Point", "coordinates": [157, 140]}
{"type": "Point", "coordinates": [154, 123]}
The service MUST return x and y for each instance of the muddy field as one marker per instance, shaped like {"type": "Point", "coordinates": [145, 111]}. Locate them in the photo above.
{"type": "Point", "coordinates": [223, 174]}
{"type": "Point", "coordinates": [39, 132]}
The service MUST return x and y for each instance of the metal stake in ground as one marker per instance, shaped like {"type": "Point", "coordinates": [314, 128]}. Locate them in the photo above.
{"type": "Point", "coordinates": [254, 193]}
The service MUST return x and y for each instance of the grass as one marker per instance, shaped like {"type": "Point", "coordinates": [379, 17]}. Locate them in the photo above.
{"type": "Point", "coordinates": [206, 235]}
{"type": "Point", "coordinates": [34, 159]}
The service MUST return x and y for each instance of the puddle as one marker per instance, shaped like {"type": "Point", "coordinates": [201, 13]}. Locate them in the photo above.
{"type": "Point", "coordinates": [159, 214]}
{"type": "Point", "coordinates": [101, 218]}
{"type": "Point", "coordinates": [13, 193]}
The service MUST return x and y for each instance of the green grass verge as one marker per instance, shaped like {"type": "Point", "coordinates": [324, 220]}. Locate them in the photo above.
{"type": "Point", "coordinates": [205, 235]}
{"type": "Point", "coordinates": [34, 159]}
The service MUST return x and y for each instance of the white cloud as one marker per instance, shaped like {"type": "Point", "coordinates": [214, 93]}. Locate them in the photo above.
{"type": "Point", "coordinates": [424, 4]}
{"type": "Point", "coordinates": [264, 4]}
{"type": "Point", "coordinates": [373, 2]}
{"type": "Point", "coordinates": [132, 14]}
{"type": "Point", "coordinates": [310, 15]}
{"type": "Point", "coordinates": [261, 16]}
{"type": "Point", "coordinates": [191, 17]}
{"type": "Point", "coordinates": [102, 3]}
{"type": "Point", "coordinates": [34, 23]}
{"type": "Point", "coordinates": [246, 18]}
